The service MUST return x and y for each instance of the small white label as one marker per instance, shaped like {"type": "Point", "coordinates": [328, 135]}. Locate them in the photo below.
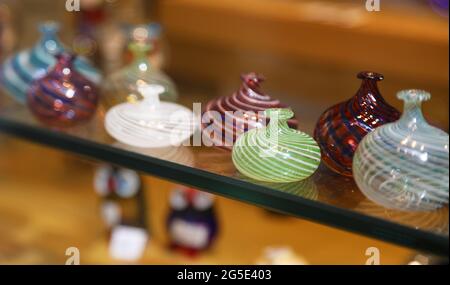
{"type": "Point", "coordinates": [127, 243]}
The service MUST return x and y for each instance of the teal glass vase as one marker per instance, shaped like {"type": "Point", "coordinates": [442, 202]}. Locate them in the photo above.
{"type": "Point", "coordinates": [276, 153]}
{"type": "Point", "coordinates": [404, 165]}
{"type": "Point", "coordinates": [19, 71]}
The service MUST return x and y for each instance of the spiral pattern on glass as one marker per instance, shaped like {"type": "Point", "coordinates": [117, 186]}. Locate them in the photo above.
{"type": "Point", "coordinates": [404, 165]}
{"type": "Point", "coordinates": [276, 153]}
{"type": "Point", "coordinates": [241, 111]}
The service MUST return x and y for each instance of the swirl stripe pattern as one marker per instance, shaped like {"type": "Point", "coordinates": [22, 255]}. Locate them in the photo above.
{"type": "Point", "coordinates": [341, 127]}
{"type": "Point", "coordinates": [234, 111]}
{"type": "Point", "coordinates": [404, 165]}
{"type": "Point", "coordinates": [19, 71]}
{"type": "Point", "coordinates": [291, 156]}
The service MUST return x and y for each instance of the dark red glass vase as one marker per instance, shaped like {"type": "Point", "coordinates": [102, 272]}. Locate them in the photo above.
{"type": "Point", "coordinates": [341, 127]}
{"type": "Point", "coordinates": [230, 115]}
{"type": "Point", "coordinates": [63, 97]}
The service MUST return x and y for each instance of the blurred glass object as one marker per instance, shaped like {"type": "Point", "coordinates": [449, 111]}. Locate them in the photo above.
{"type": "Point", "coordinates": [151, 34]}
{"type": "Point", "coordinates": [7, 36]}
{"type": "Point", "coordinates": [89, 19]}
{"type": "Point", "coordinates": [280, 256]}
{"type": "Point", "coordinates": [20, 70]}
{"type": "Point", "coordinates": [123, 85]}
{"type": "Point", "coordinates": [120, 190]}
{"type": "Point", "coordinates": [440, 7]}
{"type": "Point", "coordinates": [192, 223]}
{"type": "Point", "coordinates": [63, 97]}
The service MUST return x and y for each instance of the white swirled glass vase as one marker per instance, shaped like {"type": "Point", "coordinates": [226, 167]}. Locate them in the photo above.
{"type": "Point", "coordinates": [150, 123]}
{"type": "Point", "coordinates": [404, 165]}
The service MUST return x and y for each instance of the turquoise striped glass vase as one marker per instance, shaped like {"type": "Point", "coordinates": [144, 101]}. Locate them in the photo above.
{"type": "Point", "coordinates": [276, 153]}
{"type": "Point", "coordinates": [19, 71]}
{"type": "Point", "coordinates": [404, 165]}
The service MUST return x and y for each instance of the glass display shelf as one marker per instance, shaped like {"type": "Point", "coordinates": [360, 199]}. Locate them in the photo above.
{"type": "Point", "coordinates": [325, 197]}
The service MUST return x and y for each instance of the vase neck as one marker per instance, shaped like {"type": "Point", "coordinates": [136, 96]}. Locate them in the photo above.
{"type": "Point", "coordinates": [278, 121]}
{"type": "Point", "coordinates": [412, 111]}
{"type": "Point", "coordinates": [277, 126]}
{"type": "Point", "coordinates": [368, 91]}
{"type": "Point", "coordinates": [64, 66]}
{"type": "Point", "coordinates": [49, 40]}
{"type": "Point", "coordinates": [140, 60]}
{"type": "Point", "coordinates": [150, 94]}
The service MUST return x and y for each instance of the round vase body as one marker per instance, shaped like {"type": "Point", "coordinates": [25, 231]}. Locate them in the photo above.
{"type": "Point", "coordinates": [150, 123]}
{"type": "Point", "coordinates": [341, 127]}
{"type": "Point", "coordinates": [63, 97]}
{"type": "Point", "coordinates": [276, 153]}
{"type": "Point", "coordinates": [404, 165]}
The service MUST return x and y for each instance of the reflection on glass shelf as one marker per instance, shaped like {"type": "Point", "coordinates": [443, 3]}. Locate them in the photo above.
{"type": "Point", "coordinates": [180, 155]}
{"type": "Point", "coordinates": [325, 197]}
{"type": "Point", "coordinates": [305, 188]}
{"type": "Point", "coordinates": [436, 221]}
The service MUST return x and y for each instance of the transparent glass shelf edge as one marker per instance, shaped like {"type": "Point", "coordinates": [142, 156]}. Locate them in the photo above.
{"type": "Point", "coordinates": [324, 187]}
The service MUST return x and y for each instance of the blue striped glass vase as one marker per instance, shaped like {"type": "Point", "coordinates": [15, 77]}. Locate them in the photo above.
{"type": "Point", "coordinates": [63, 97]}
{"type": "Point", "coordinates": [19, 71]}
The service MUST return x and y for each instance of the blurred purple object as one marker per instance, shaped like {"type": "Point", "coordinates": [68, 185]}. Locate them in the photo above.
{"type": "Point", "coordinates": [192, 223]}
{"type": "Point", "coordinates": [63, 97]}
{"type": "Point", "coordinates": [440, 7]}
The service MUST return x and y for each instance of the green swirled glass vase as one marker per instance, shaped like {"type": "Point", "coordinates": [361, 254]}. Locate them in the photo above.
{"type": "Point", "coordinates": [276, 153]}
{"type": "Point", "coordinates": [404, 165]}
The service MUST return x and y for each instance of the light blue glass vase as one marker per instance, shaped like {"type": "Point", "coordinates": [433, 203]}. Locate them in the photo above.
{"type": "Point", "coordinates": [404, 165]}
{"type": "Point", "coordinates": [20, 70]}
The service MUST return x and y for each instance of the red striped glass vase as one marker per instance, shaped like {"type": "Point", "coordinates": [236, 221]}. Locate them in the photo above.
{"type": "Point", "coordinates": [341, 127]}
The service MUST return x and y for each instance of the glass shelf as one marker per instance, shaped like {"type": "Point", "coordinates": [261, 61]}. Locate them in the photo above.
{"type": "Point", "coordinates": [325, 197]}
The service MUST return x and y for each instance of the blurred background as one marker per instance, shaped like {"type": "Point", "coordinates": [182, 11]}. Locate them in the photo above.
{"type": "Point", "coordinates": [309, 52]}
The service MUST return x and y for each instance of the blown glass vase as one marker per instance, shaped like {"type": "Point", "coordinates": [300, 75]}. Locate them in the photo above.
{"type": "Point", "coordinates": [276, 153]}
{"type": "Point", "coordinates": [341, 127]}
{"type": "Point", "coordinates": [230, 116]}
{"type": "Point", "coordinates": [123, 86]}
{"type": "Point", "coordinates": [63, 97]}
{"type": "Point", "coordinates": [149, 33]}
{"type": "Point", "coordinates": [19, 71]}
{"type": "Point", "coordinates": [404, 165]}
{"type": "Point", "coordinates": [150, 123]}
